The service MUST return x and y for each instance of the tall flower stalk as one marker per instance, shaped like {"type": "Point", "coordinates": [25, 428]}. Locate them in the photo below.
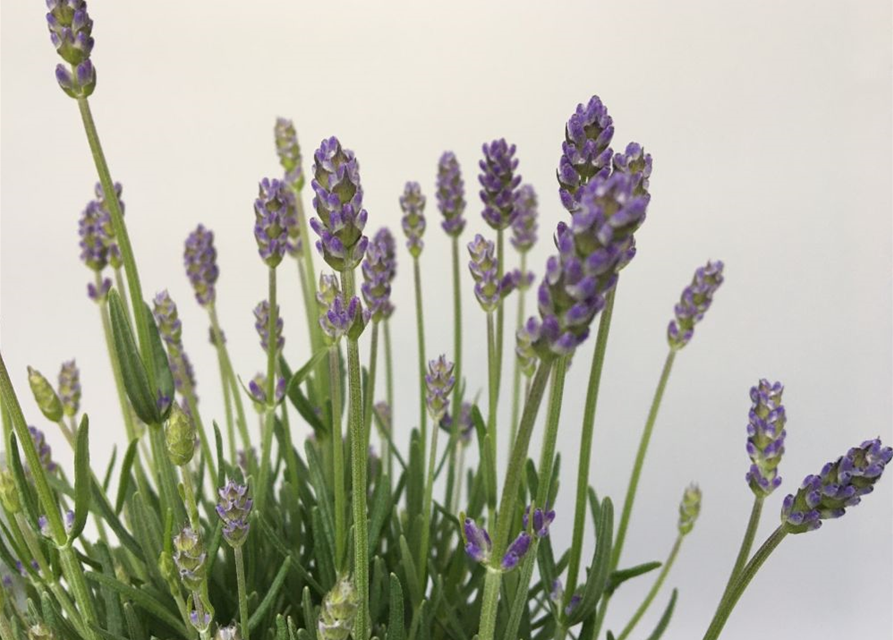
{"type": "Point", "coordinates": [412, 202]}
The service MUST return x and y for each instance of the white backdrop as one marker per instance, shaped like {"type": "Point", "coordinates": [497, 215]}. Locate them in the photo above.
{"type": "Point", "coordinates": [770, 125]}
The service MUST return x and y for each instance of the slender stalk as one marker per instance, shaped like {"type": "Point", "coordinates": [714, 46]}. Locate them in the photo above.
{"type": "Point", "coordinates": [750, 533]}
{"type": "Point", "coordinates": [243, 592]}
{"type": "Point", "coordinates": [652, 593]}
{"type": "Point", "coordinates": [420, 324]}
{"type": "Point", "coordinates": [228, 407]}
{"type": "Point", "coordinates": [204, 442]}
{"type": "Point", "coordinates": [369, 395]}
{"type": "Point", "coordinates": [451, 497]}
{"type": "Point", "coordinates": [550, 437]}
{"type": "Point", "coordinates": [422, 563]}
{"type": "Point", "coordinates": [500, 310]}
{"type": "Point", "coordinates": [359, 475]}
{"type": "Point", "coordinates": [337, 457]}
{"type": "Point", "coordinates": [263, 481]}
{"type": "Point", "coordinates": [492, 403]}
{"type": "Point", "coordinates": [640, 459]}
{"type": "Point", "coordinates": [166, 476]}
{"type": "Point", "coordinates": [747, 574]}
{"type": "Point", "coordinates": [223, 355]}
{"type": "Point", "coordinates": [580, 517]}
{"type": "Point", "coordinates": [389, 393]}
{"type": "Point", "coordinates": [122, 238]}
{"type": "Point", "coordinates": [189, 494]}
{"type": "Point", "coordinates": [516, 376]}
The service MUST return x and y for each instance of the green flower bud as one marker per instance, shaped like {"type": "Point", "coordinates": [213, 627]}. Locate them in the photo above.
{"type": "Point", "coordinates": [179, 436]}
{"type": "Point", "coordinates": [338, 612]}
{"type": "Point", "coordinates": [9, 494]}
{"type": "Point", "coordinates": [45, 395]}
{"type": "Point", "coordinates": [689, 508]}
{"type": "Point", "coordinates": [189, 558]}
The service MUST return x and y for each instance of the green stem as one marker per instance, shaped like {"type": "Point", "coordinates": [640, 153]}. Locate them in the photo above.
{"type": "Point", "coordinates": [492, 402]}
{"type": "Point", "coordinates": [747, 574]}
{"type": "Point", "coordinates": [746, 545]}
{"type": "Point", "coordinates": [550, 437]}
{"type": "Point", "coordinates": [269, 422]}
{"type": "Point", "coordinates": [122, 238]}
{"type": "Point", "coordinates": [223, 355]}
{"type": "Point", "coordinates": [192, 403]}
{"type": "Point", "coordinates": [655, 588]}
{"type": "Point", "coordinates": [422, 562]}
{"type": "Point", "coordinates": [490, 604]}
{"type": "Point", "coordinates": [389, 393]}
{"type": "Point", "coordinates": [420, 324]}
{"type": "Point", "coordinates": [243, 592]}
{"type": "Point", "coordinates": [189, 494]}
{"type": "Point", "coordinates": [595, 376]}
{"type": "Point", "coordinates": [640, 459]}
{"type": "Point", "coordinates": [369, 395]}
{"type": "Point", "coordinates": [337, 456]}
{"type": "Point", "coordinates": [451, 497]}
{"type": "Point", "coordinates": [359, 475]}
{"type": "Point", "coordinates": [228, 407]}
{"type": "Point", "coordinates": [500, 310]}
{"type": "Point", "coordinates": [164, 470]}
{"type": "Point", "coordinates": [516, 376]}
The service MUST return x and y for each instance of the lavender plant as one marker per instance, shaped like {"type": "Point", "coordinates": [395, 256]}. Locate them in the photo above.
{"type": "Point", "coordinates": [210, 534]}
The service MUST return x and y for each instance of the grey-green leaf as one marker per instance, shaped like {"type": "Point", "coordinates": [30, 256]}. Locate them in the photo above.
{"type": "Point", "coordinates": [136, 381]}
{"type": "Point", "coordinates": [82, 479]}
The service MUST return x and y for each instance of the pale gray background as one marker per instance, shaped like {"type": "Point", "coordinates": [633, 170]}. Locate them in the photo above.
{"type": "Point", "coordinates": [770, 125]}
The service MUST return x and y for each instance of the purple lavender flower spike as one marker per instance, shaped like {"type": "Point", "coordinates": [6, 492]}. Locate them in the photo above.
{"type": "Point", "coordinates": [498, 183]}
{"type": "Point", "coordinates": [200, 260]}
{"type": "Point", "coordinates": [114, 252]}
{"type": "Point", "coordinates": [516, 551]}
{"type": "Point", "coordinates": [168, 320]}
{"type": "Point", "coordinates": [258, 389]}
{"type": "Point", "coordinates": [541, 521]}
{"type": "Point", "coordinates": [839, 485]}
{"type": "Point", "coordinates": [70, 388]}
{"type": "Point", "coordinates": [262, 325]}
{"type": "Point", "coordinates": [525, 224]}
{"type": "Point", "coordinates": [234, 507]}
{"type": "Point", "coordinates": [289, 152]}
{"type": "Point", "coordinates": [439, 383]}
{"type": "Point", "coordinates": [274, 217]}
{"type": "Point", "coordinates": [70, 32]}
{"type": "Point", "coordinates": [93, 242]}
{"type": "Point", "coordinates": [44, 452]}
{"type": "Point", "coordinates": [340, 318]}
{"type": "Point", "coordinates": [765, 437]}
{"type": "Point", "coordinates": [378, 272]}
{"type": "Point", "coordinates": [524, 349]}
{"type": "Point", "coordinates": [412, 202]}
{"type": "Point", "coordinates": [339, 204]}
{"type": "Point", "coordinates": [484, 267]}
{"type": "Point", "coordinates": [98, 293]}
{"type": "Point", "coordinates": [450, 194]}
{"type": "Point", "coordinates": [636, 163]}
{"type": "Point", "coordinates": [477, 541]}
{"type": "Point", "coordinates": [696, 299]}
{"type": "Point", "coordinates": [586, 151]}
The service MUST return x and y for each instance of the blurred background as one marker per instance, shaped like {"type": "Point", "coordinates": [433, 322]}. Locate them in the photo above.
{"type": "Point", "coordinates": [770, 127]}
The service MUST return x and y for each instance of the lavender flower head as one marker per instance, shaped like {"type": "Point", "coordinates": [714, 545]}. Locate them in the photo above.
{"type": "Point", "coordinates": [164, 310]}
{"type": "Point", "coordinates": [289, 152]}
{"type": "Point", "coordinates": [591, 249]}
{"type": "Point", "coordinates": [70, 388]}
{"type": "Point", "coordinates": [234, 507]}
{"type": "Point", "coordinates": [542, 519]}
{"type": "Point", "coordinates": [839, 485]}
{"type": "Point", "coordinates": [262, 325]}
{"type": "Point", "coordinates": [466, 424]}
{"type": "Point", "coordinates": [200, 260]}
{"type": "Point", "coordinates": [189, 557]}
{"type": "Point", "coordinates": [696, 299]}
{"type": "Point", "coordinates": [489, 289]}
{"type": "Point", "coordinates": [689, 508]}
{"type": "Point", "coordinates": [70, 32]}
{"type": "Point", "coordinates": [586, 150]}
{"type": "Point", "coordinates": [498, 183]}
{"type": "Point", "coordinates": [516, 551]}
{"type": "Point", "coordinates": [92, 231]}
{"type": "Point", "coordinates": [342, 318]}
{"type": "Point", "coordinates": [635, 162]}
{"type": "Point", "coordinates": [439, 383]}
{"type": "Point", "coordinates": [258, 390]}
{"type": "Point", "coordinates": [44, 452]}
{"type": "Point", "coordinates": [524, 225]}
{"type": "Point", "coordinates": [765, 437]}
{"type": "Point", "coordinates": [274, 217]}
{"type": "Point", "coordinates": [526, 351]}
{"type": "Point", "coordinates": [477, 541]}
{"type": "Point", "coordinates": [412, 202]}
{"type": "Point", "coordinates": [450, 194]}
{"type": "Point", "coordinates": [114, 251]}
{"type": "Point", "coordinates": [339, 204]}
{"type": "Point", "coordinates": [378, 271]}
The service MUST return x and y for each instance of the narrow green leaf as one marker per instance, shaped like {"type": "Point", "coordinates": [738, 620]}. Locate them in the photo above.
{"type": "Point", "coordinates": [23, 487]}
{"type": "Point", "coordinates": [665, 618]}
{"type": "Point", "coordinates": [323, 498]}
{"type": "Point", "coordinates": [309, 613]}
{"type": "Point", "coordinates": [218, 441]}
{"type": "Point", "coordinates": [298, 377]}
{"type": "Point", "coordinates": [124, 481]}
{"type": "Point", "coordinates": [142, 598]}
{"type": "Point", "coordinates": [381, 506]}
{"type": "Point", "coordinates": [107, 478]}
{"type": "Point", "coordinates": [281, 629]}
{"type": "Point", "coordinates": [619, 577]}
{"type": "Point", "coordinates": [270, 597]}
{"type": "Point", "coordinates": [409, 571]}
{"type": "Point", "coordinates": [593, 506]}
{"type": "Point", "coordinates": [136, 382]}
{"type": "Point", "coordinates": [114, 616]}
{"type": "Point", "coordinates": [82, 479]}
{"type": "Point", "coordinates": [135, 628]}
{"type": "Point", "coordinates": [601, 563]}
{"type": "Point", "coordinates": [164, 379]}
{"type": "Point", "coordinates": [396, 629]}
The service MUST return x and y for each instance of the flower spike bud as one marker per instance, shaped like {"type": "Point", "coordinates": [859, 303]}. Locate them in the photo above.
{"type": "Point", "coordinates": [338, 201]}
{"type": "Point", "coordinates": [498, 183]}
{"type": "Point", "coordinates": [200, 619]}
{"type": "Point", "coordinates": [541, 521]}
{"type": "Point", "coordinates": [477, 541]}
{"type": "Point", "coordinates": [44, 452]}
{"type": "Point", "coordinates": [696, 299]}
{"type": "Point", "coordinates": [378, 271]}
{"type": "Point", "coordinates": [765, 437]}
{"type": "Point", "coordinates": [689, 508]}
{"type": "Point", "coordinates": [164, 309]}
{"type": "Point", "coordinates": [637, 163]}
{"type": "Point", "coordinates": [9, 493]}
{"type": "Point", "coordinates": [516, 551]}
{"type": "Point", "coordinates": [262, 325]}
{"type": "Point", "coordinates": [524, 349]}
{"type": "Point", "coordinates": [839, 485]}
{"type": "Point", "coordinates": [274, 216]}
{"type": "Point", "coordinates": [450, 194]}
{"type": "Point", "coordinates": [45, 396]}
{"type": "Point", "coordinates": [200, 260]}
{"type": "Point", "coordinates": [525, 225]}
{"type": "Point", "coordinates": [189, 558]}
{"type": "Point", "coordinates": [412, 202]}
{"type": "Point", "coordinates": [338, 612]}
{"type": "Point", "coordinates": [484, 266]}
{"type": "Point", "coordinates": [71, 30]}
{"type": "Point", "coordinates": [179, 436]}
{"type": "Point", "coordinates": [329, 289]}
{"type": "Point", "coordinates": [228, 633]}
{"type": "Point", "coordinates": [258, 389]}
{"type": "Point", "coordinates": [586, 150]}
{"type": "Point", "coordinates": [114, 251]}
{"type": "Point", "coordinates": [439, 382]}
{"type": "Point", "coordinates": [289, 152]}
{"type": "Point", "coordinates": [343, 319]}
{"type": "Point", "coordinates": [70, 388]}
{"type": "Point", "coordinates": [234, 508]}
